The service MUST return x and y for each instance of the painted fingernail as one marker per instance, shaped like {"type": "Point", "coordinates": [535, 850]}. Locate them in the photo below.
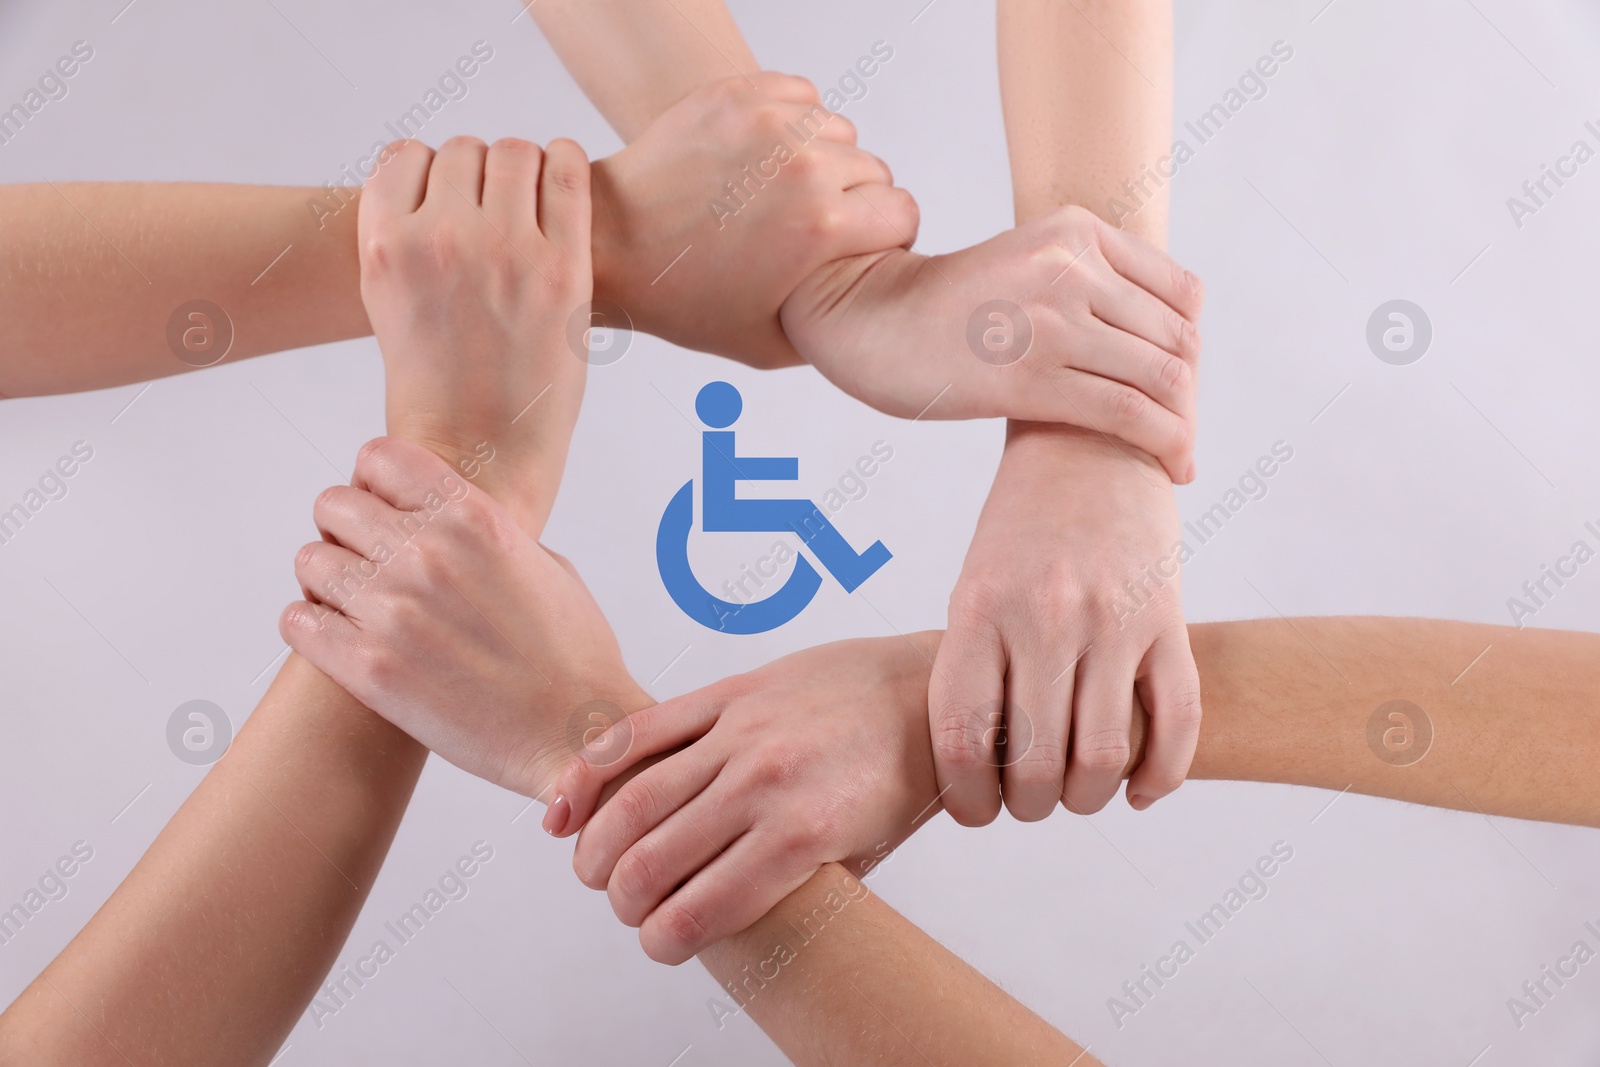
{"type": "Point", "coordinates": [555, 819]}
{"type": "Point", "coordinates": [1137, 802]}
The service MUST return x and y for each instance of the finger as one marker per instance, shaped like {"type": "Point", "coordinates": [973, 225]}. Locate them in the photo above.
{"type": "Point", "coordinates": [511, 185]}
{"type": "Point", "coordinates": [727, 896]}
{"type": "Point", "coordinates": [332, 575]}
{"type": "Point", "coordinates": [640, 736]}
{"type": "Point", "coordinates": [788, 88]}
{"type": "Point", "coordinates": [455, 181]}
{"type": "Point", "coordinates": [1101, 712]}
{"type": "Point", "coordinates": [1135, 362]}
{"type": "Point", "coordinates": [406, 476]}
{"type": "Point", "coordinates": [851, 165]}
{"type": "Point", "coordinates": [354, 518]}
{"type": "Point", "coordinates": [1153, 270]}
{"type": "Point", "coordinates": [323, 636]}
{"type": "Point", "coordinates": [1169, 687]}
{"type": "Point", "coordinates": [1038, 720]}
{"type": "Point", "coordinates": [639, 807]}
{"type": "Point", "coordinates": [668, 856]}
{"type": "Point", "coordinates": [965, 718]}
{"type": "Point", "coordinates": [877, 217]}
{"type": "Point", "coordinates": [1118, 410]}
{"type": "Point", "coordinates": [1125, 306]}
{"type": "Point", "coordinates": [814, 122]}
{"type": "Point", "coordinates": [564, 209]}
{"type": "Point", "coordinates": [396, 187]}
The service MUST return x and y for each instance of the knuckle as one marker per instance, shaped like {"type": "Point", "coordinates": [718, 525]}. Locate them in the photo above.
{"type": "Point", "coordinates": [1075, 222]}
{"type": "Point", "coordinates": [379, 450]}
{"type": "Point", "coordinates": [516, 147]}
{"type": "Point", "coordinates": [297, 622]}
{"type": "Point", "coordinates": [1181, 710]}
{"type": "Point", "coordinates": [1101, 751]}
{"type": "Point", "coordinates": [307, 554]}
{"type": "Point", "coordinates": [638, 873]}
{"type": "Point", "coordinates": [775, 771]}
{"type": "Point", "coordinates": [1172, 375]}
{"type": "Point", "coordinates": [375, 669]}
{"type": "Point", "coordinates": [635, 809]}
{"type": "Point", "coordinates": [567, 172]}
{"type": "Point", "coordinates": [1040, 765]}
{"type": "Point", "coordinates": [815, 827]}
{"type": "Point", "coordinates": [681, 931]}
{"type": "Point", "coordinates": [462, 141]}
{"type": "Point", "coordinates": [1188, 285]}
{"type": "Point", "coordinates": [767, 121]}
{"type": "Point", "coordinates": [959, 742]}
{"type": "Point", "coordinates": [1128, 407]}
{"type": "Point", "coordinates": [1188, 335]}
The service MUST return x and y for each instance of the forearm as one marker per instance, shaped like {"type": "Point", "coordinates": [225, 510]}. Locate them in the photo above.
{"type": "Point", "coordinates": [94, 274]}
{"type": "Point", "coordinates": [834, 975]}
{"type": "Point", "coordinates": [1086, 89]}
{"type": "Point", "coordinates": [1510, 712]}
{"type": "Point", "coordinates": [636, 58]}
{"type": "Point", "coordinates": [243, 901]}
{"type": "Point", "coordinates": [90, 299]}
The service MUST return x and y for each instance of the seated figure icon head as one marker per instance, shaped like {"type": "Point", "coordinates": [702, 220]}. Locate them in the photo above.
{"type": "Point", "coordinates": [718, 404]}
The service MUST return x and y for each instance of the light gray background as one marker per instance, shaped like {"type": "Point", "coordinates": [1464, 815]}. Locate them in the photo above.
{"type": "Point", "coordinates": [1377, 167]}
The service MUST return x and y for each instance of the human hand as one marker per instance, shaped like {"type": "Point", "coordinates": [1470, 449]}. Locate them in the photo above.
{"type": "Point", "coordinates": [1068, 603]}
{"type": "Point", "coordinates": [473, 262]}
{"type": "Point", "coordinates": [799, 204]}
{"type": "Point", "coordinates": [428, 602]}
{"type": "Point", "coordinates": [818, 757]}
{"type": "Point", "coordinates": [1106, 340]}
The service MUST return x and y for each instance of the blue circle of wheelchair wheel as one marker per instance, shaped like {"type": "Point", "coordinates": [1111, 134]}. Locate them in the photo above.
{"type": "Point", "coordinates": [712, 612]}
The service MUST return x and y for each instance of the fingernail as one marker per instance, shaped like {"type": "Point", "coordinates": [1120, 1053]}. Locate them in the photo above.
{"type": "Point", "coordinates": [555, 819]}
{"type": "Point", "coordinates": [1139, 802]}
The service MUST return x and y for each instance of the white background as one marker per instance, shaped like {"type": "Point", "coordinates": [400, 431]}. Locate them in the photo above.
{"type": "Point", "coordinates": [1381, 160]}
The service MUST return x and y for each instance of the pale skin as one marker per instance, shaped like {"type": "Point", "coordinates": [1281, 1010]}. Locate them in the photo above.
{"type": "Point", "coordinates": [1034, 617]}
{"type": "Point", "coordinates": [1114, 339]}
{"type": "Point", "coordinates": [93, 271]}
{"type": "Point", "coordinates": [1040, 630]}
{"type": "Point", "coordinates": [1289, 701]}
{"type": "Point", "coordinates": [291, 826]}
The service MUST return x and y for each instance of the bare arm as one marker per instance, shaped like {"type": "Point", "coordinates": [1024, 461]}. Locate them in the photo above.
{"type": "Point", "coordinates": [244, 899]}
{"type": "Point", "coordinates": [834, 975]}
{"type": "Point", "coordinates": [1512, 736]}
{"type": "Point", "coordinates": [248, 893]}
{"type": "Point", "coordinates": [98, 281]}
{"type": "Point", "coordinates": [667, 49]}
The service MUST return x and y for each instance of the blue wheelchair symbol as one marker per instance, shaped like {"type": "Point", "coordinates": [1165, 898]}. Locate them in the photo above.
{"type": "Point", "coordinates": [721, 468]}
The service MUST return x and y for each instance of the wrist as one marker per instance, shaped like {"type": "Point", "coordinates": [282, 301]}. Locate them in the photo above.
{"type": "Point", "coordinates": [556, 734]}
{"type": "Point", "coordinates": [608, 231]}
{"type": "Point", "coordinates": [1063, 448]}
